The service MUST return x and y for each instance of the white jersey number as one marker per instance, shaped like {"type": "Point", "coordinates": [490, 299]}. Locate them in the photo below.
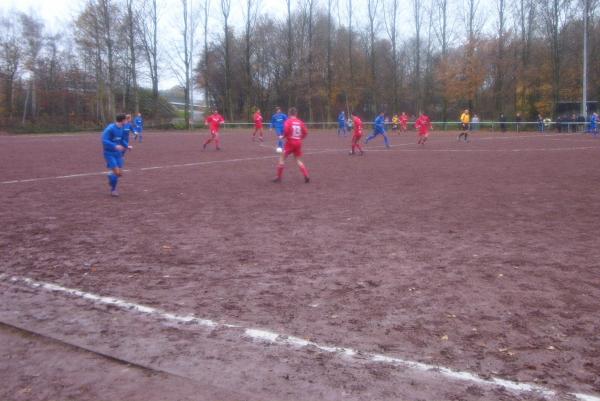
{"type": "Point", "coordinates": [296, 131]}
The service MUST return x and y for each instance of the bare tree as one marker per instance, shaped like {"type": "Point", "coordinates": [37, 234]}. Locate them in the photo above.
{"type": "Point", "coordinates": [131, 42]}
{"type": "Point", "coordinates": [391, 23]}
{"type": "Point", "coordinates": [309, 10]}
{"type": "Point", "coordinates": [10, 60]}
{"type": "Point", "coordinates": [250, 14]}
{"type": "Point", "coordinates": [429, 50]}
{"type": "Point", "coordinates": [418, 21]}
{"type": "Point", "coordinates": [32, 32]}
{"type": "Point", "coordinates": [150, 44]}
{"type": "Point", "coordinates": [441, 28]}
{"type": "Point", "coordinates": [107, 17]}
{"type": "Point", "coordinates": [472, 7]}
{"type": "Point", "coordinates": [205, 14]}
{"type": "Point", "coordinates": [554, 14]}
{"type": "Point", "coordinates": [226, 10]}
{"type": "Point", "coordinates": [372, 6]}
{"type": "Point", "coordinates": [290, 52]}
{"type": "Point", "coordinates": [350, 52]}
{"type": "Point", "coordinates": [499, 64]}
{"type": "Point", "coordinates": [88, 34]}
{"type": "Point", "coordinates": [329, 77]}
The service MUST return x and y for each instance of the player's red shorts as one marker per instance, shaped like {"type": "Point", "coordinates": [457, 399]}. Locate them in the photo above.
{"type": "Point", "coordinates": [258, 125]}
{"type": "Point", "coordinates": [425, 134]}
{"type": "Point", "coordinates": [293, 147]}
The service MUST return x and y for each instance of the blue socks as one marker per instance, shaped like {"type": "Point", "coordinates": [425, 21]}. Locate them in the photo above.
{"type": "Point", "coordinates": [112, 181]}
{"type": "Point", "coordinates": [386, 140]}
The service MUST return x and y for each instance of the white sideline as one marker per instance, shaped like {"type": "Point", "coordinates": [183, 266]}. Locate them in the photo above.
{"type": "Point", "coordinates": [327, 150]}
{"type": "Point", "coordinates": [297, 342]}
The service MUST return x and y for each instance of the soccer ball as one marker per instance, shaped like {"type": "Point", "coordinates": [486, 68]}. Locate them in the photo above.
{"type": "Point", "coordinates": [279, 150]}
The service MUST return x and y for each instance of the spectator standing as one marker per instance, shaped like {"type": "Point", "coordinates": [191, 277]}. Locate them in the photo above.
{"type": "Point", "coordinates": [475, 123]}
{"type": "Point", "coordinates": [540, 123]}
{"type": "Point", "coordinates": [502, 122]}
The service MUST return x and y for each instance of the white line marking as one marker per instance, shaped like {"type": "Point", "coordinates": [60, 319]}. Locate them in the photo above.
{"type": "Point", "coordinates": [272, 337]}
{"type": "Point", "coordinates": [327, 150]}
{"type": "Point", "coordinates": [490, 150]}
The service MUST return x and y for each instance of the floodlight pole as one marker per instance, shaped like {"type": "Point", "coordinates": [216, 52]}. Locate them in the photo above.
{"type": "Point", "coordinates": [585, 61]}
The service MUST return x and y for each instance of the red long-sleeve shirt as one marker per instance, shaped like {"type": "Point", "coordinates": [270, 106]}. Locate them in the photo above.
{"type": "Point", "coordinates": [214, 121]}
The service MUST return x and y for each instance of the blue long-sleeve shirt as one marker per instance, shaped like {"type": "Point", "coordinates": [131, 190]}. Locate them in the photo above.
{"type": "Point", "coordinates": [113, 136]}
{"type": "Point", "coordinates": [139, 122]}
{"type": "Point", "coordinates": [379, 125]}
{"type": "Point", "coordinates": [341, 120]}
{"type": "Point", "coordinates": [127, 129]}
{"type": "Point", "coordinates": [277, 121]}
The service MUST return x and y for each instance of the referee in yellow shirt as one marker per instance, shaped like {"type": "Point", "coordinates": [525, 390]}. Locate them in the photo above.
{"type": "Point", "coordinates": [465, 120]}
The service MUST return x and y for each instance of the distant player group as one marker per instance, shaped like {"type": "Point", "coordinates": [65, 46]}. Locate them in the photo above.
{"type": "Point", "coordinates": [288, 128]}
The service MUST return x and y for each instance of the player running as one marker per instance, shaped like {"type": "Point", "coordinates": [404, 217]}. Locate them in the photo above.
{"type": "Point", "coordinates": [258, 126]}
{"type": "Point", "coordinates": [138, 127]}
{"type": "Point", "coordinates": [294, 132]}
{"type": "Point", "coordinates": [114, 146]}
{"type": "Point", "coordinates": [342, 124]}
{"type": "Point", "coordinates": [423, 125]}
{"type": "Point", "coordinates": [379, 129]}
{"type": "Point", "coordinates": [465, 119]}
{"type": "Point", "coordinates": [403, 122]}
{"type": "Point", "coordinates": [214, 122]}
{"type": "Point", "coordinates": [277, 121]}
{"type": "Point", "coordinates": [357, 123]}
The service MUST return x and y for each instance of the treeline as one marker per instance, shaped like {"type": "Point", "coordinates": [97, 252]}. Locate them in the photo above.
{"type": "Point", "coordinates": [521, 56]}
{"type": "Point", "coordinates": [79, 78]}
{"type": "Point", "coordinates": [322, 56]}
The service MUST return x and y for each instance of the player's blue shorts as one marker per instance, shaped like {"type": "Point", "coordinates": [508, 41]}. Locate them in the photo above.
{"type": "Point", "coordinates": [114, 159]}
{"type": "Point", "coordinates": [137, 129]}
{"type": "Point", "coordinates": [279, 131]}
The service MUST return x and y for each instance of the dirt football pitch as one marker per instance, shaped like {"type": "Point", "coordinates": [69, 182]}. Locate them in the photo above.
{"type": "Point", "coordinates": [455, 271]}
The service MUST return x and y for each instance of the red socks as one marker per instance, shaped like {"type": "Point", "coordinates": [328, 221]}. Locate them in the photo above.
{"type": "Point", "coordinates": [304, 170]}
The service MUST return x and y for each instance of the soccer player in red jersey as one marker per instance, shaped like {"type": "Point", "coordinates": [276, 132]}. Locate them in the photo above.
{"type": "Point", "coordinates": [214, 122]}
{"type": "Point", "coordinates": [294, 131]}
{"type": "Point", "coordinates": [423, 125]}
{"type": "Point", "coordinates": [258, 126]}
{"type": "Point", "coordinates": [357, 123]}
{"type": "Point", "coordinates": [403, 121]}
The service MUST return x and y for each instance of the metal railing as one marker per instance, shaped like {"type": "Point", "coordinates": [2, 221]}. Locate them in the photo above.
{"type": "Point", "coordinates": [489, 126]}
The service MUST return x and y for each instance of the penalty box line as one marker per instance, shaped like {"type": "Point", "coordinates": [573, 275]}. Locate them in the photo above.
{"type": "Point", "coordinates": [313, 152]}
{"type": "Point", "coordinates": [280, 339]}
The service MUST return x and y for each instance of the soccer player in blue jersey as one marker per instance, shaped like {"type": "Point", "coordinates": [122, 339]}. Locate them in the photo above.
{"type": "Point", "coordinates": [593, 128]}
{"type": "Point", "coordinates": [138, 126]}
{"type": "Point", "coordinates": [342, 124]}
{"type": "Point", "coordinates": [128, 129]}
{"type": "Point", "coordinates": [379, 129]}
{"type": "Point", "coordinates": [114, 145]}
{"type": "Point", "coordinates": [277, 121]}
